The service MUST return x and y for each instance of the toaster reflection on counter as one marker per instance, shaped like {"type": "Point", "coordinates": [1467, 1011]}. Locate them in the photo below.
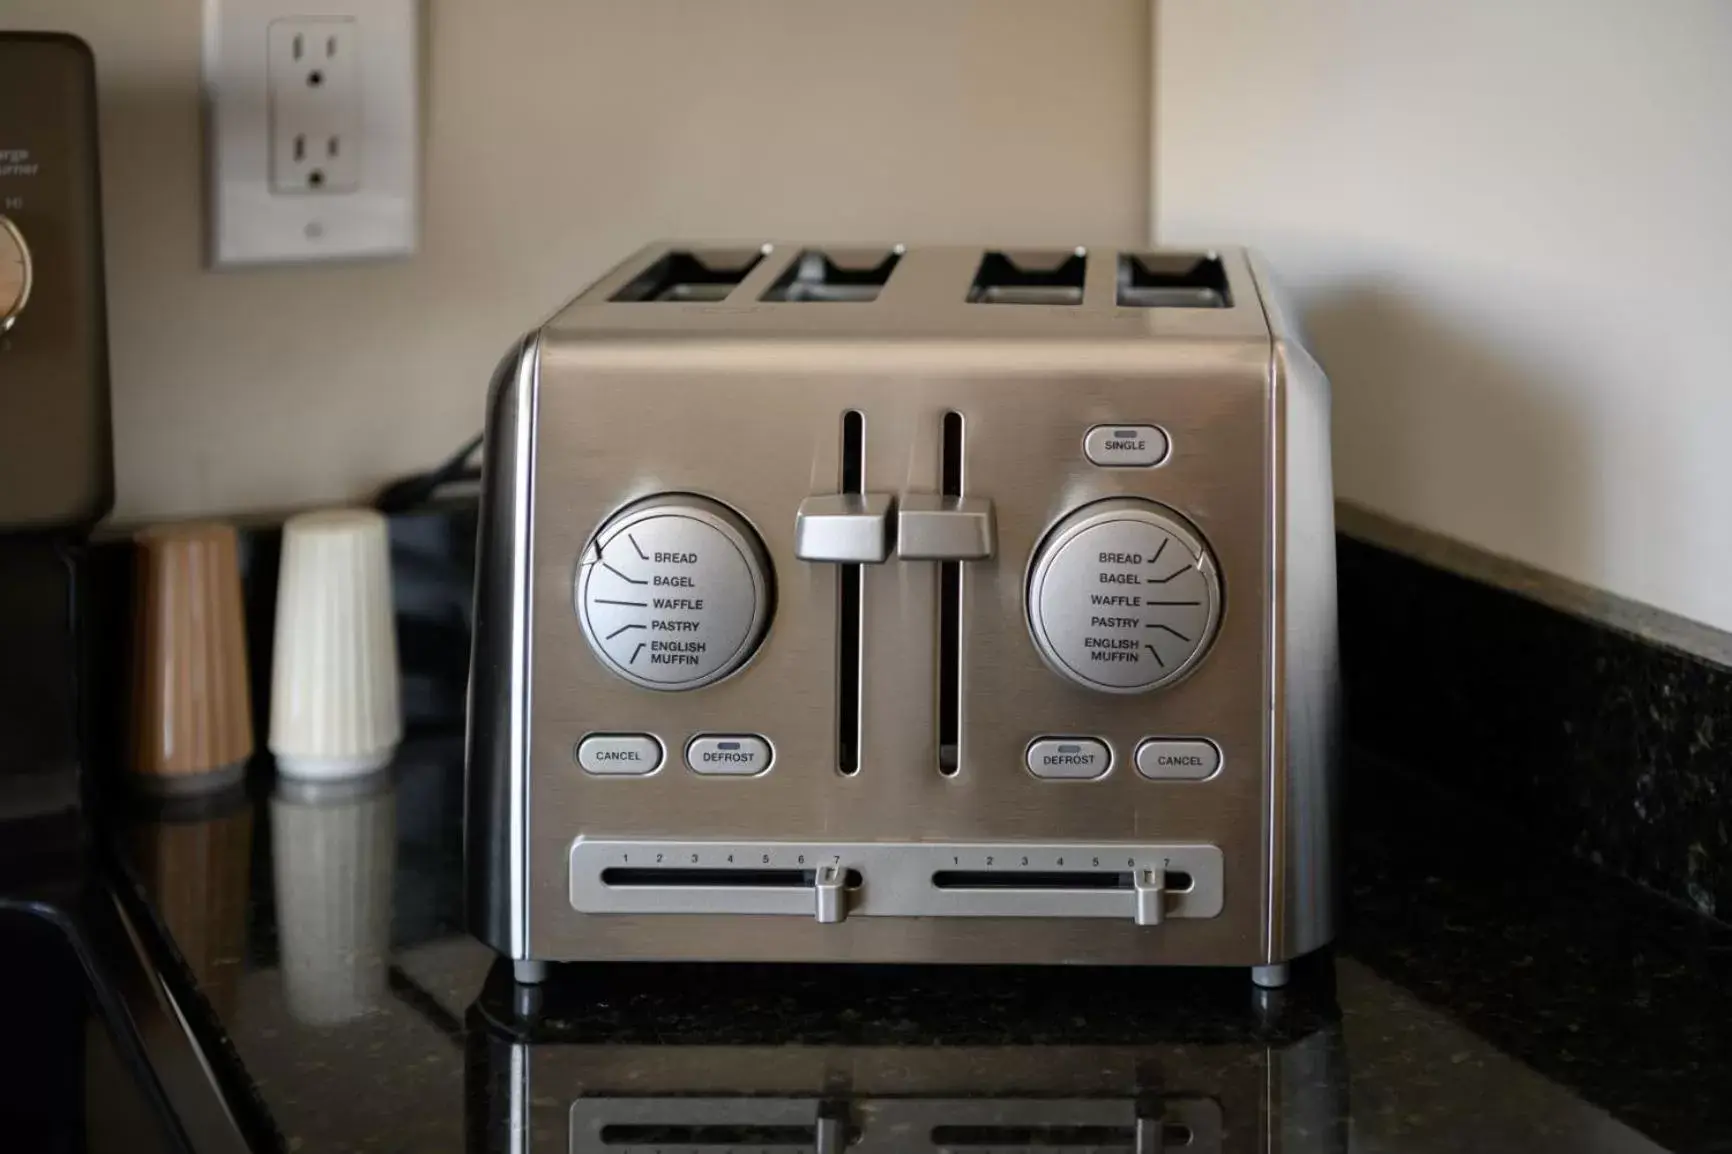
{"type": "Point", "coordinates": [906, 605]}
{"type": "Point", "coordinates": [626, 1072]}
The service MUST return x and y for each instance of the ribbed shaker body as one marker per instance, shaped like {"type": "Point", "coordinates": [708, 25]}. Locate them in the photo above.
{"type": "Point", "coordinates": [335, 700]}
{"type": "Point", "coordinates": [191, 720]}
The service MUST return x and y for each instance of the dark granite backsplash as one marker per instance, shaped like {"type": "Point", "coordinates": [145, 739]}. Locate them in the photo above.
{"type": "Point", "coordinates": [1578, 736]}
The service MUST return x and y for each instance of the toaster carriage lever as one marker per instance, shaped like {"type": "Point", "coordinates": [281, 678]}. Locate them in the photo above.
{"type": "Point", "coordinates": [930, 527]}
{"type": "Point", "coordinates": [857, 528]}
{"type": "Point", "coordinates": [848, 528]}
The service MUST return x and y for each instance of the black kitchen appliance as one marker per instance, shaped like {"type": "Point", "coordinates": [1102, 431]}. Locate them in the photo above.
{"type": "Point", "coordinates": [56, 461]}
{"type": "Point", "coordinates": [97, 1052]}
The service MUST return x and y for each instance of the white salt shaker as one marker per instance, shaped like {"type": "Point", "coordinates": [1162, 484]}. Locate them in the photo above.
{"type": "Point", "coordinates": [336, 707]}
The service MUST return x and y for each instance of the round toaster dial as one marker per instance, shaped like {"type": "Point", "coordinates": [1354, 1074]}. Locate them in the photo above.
{"type": "Point", "coordinates": [1123, 596]}
{"type": "Point", "coordinates": [674, 592]}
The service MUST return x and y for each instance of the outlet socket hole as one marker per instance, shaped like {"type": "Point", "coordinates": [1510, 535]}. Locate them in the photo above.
{"type": "Point", "coordinates": [315, 78]}
{"type": "Point", "coordinates": [316, 178]}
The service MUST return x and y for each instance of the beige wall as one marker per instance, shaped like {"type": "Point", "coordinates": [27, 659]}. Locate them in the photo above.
{"type": "Point", "coordinates": [1509, 227]}
{"type": "Point", "coordinates": [560, 135]}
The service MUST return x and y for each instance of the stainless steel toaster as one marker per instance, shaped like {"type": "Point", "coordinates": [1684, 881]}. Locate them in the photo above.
{"type": "Point", "coordinates": [907, 604]}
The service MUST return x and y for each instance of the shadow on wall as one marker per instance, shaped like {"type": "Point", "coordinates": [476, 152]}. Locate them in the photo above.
{"type": "Point", "coordinates": [1439, 422]}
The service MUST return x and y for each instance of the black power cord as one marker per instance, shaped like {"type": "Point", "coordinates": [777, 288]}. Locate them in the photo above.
{"type": "Point", "coordinates": [413, 491]}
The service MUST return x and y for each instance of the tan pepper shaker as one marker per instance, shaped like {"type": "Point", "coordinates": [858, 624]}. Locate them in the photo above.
{"type": "Point", "coordinates": [192, 722]}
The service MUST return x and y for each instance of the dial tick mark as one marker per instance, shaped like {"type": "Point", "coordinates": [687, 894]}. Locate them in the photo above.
{"type": "Point", "coordinates": [623, 577]}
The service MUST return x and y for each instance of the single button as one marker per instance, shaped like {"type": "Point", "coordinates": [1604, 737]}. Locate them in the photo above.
{"type": "Point", "coordinates": [619, 754]}
{"type": "Point", "coordinates": [1071, 757]}
{"type": "Point", "coordinates": [1178, 759]}
{"type": "Point", "coordinates": [739, 754]}
{"type": "Point", "coordinates": [1126, 446]}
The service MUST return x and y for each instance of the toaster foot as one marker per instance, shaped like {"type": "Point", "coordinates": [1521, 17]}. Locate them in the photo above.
{"type": "Point", "coordinates": [1269, 977]}
{"type": "Point", "coordinates": [529, 972]}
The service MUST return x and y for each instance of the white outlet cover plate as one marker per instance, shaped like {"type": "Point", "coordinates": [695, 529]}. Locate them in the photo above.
{"type": "Point", "coordinates": [249, 223]}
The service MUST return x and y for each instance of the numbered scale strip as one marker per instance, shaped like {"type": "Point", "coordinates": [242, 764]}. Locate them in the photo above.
{"type": "Point", "coordinates": [979, 1125]}
{"type": "Point", "coordinates": [833, 881]}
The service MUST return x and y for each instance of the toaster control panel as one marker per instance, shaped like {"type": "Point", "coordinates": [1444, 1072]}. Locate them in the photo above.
{"type": "Point", "coordinates": [1123, 596]}
{"type": "Point", "coordinates": [674, 592]}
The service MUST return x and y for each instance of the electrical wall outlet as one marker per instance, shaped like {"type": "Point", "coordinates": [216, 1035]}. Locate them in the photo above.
{"type": "Point", "coordinates": [314, 78]}
{"type": "Point", "coordinates": [312, 129]}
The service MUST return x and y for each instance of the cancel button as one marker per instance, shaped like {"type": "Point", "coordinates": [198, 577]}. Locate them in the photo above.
{"type": "Point", "coordinates": [1178, 758]}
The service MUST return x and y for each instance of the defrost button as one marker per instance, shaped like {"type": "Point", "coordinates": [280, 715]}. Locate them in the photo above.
{"type": "Point", "coordinates": [1075, 758]}
{"type": "Point", "coordinates": [737, 755]}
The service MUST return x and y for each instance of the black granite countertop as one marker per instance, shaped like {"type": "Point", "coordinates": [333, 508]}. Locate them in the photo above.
{"type": "Point", "coordinates": [1476, 1001]}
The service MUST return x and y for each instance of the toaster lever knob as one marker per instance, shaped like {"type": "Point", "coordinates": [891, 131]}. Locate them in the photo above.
{"type": "Point", "coordinates": [831, 1135]}
{"type": "Point", "coordinates": [849, 528]}
{"type": "Point", "coordinates": [934, 528]}
{"type": "Point", "coordinates": [832, 904]}
{"type": "Point", "coordinates": [1151, 887]}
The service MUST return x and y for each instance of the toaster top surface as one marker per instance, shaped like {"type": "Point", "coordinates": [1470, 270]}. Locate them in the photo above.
{"type": "Point", "coordinates": [814, 291]}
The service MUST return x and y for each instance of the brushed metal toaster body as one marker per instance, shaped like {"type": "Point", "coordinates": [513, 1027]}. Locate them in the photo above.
{"type": "Point", "coordinates": [890, 806]}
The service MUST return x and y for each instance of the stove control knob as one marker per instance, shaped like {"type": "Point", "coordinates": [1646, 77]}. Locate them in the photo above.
{"type": "Point", "coordinates": [15, 273]}
{"type": "Point", "coordinates": [1123, 596]}
{"type": "Point", "coordinates": [673, 592]}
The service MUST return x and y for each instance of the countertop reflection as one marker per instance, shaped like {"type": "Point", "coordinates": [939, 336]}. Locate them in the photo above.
{"type": "Point", "coordinates": [318, 939]}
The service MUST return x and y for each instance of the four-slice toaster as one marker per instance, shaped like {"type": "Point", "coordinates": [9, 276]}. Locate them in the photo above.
{"type": "Point", "coordinates": [907, 604]}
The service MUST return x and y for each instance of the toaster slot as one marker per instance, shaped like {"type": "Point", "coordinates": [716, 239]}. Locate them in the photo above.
{"type": "Point", "coordinates": [1174, 280]}
{"type": "Point", "coordinates": [1094, 1139]}
{"type": "Point", "coordinates": [850, 620]}
{"type": "Point", "coordinates": [664, 1138]}
{"type": "Point", "coordinates": [950, 614]}
{"type": "Point", "coordinates": [692, 275]}
{"type": "Point", "coordinates": [1176, 881]}
{"type": "Point", "coordinates": [747, 877]}
{"type": "Point", "coordinates": [689, 1125]}
{"type": "Point", "coordinates": [852, 276]}
{"type": "Point", "coordinates": [1030, 278]}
